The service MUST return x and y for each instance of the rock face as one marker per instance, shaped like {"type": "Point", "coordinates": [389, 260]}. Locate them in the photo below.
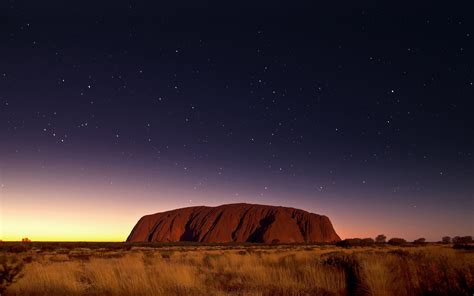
{"type": "Point", "coordinates": [234, 223]}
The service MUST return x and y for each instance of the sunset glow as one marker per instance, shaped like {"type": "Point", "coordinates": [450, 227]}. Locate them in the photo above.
{"type": "Point", "coordinates": [67, 203]}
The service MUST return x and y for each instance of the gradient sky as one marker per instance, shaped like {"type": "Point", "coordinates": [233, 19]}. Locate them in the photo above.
{"type": "Point", "coordinates": [110, 111]}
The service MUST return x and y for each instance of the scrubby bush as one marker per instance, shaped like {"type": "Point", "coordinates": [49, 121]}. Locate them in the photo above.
{"type": "Point", "coordinates": [420, 241]}
{"type": "Point", "coordinates": [397, 241]}
{"type": "Point", "coordinates": [367, 241]}
{"type": "Point", "coordinates": [10, 268]}
{"type": "Point", "coordinates": [462, 240]}
{"type": "Point", "coordinates": [446, 239]}
{"type": "Point", "coordinates": [17, 248]}
{"type": "Point", "coordinates": [349, 242]}
{"type": "Point", "coordinates": [355, 242]}
{"type": "Point", "coordinates": [381, 238]}
{"type": "Point", "coordinates": [463, 247]}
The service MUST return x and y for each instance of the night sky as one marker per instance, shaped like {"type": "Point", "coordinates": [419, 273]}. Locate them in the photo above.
{"type": "Point", "coordinates": [110, 111]}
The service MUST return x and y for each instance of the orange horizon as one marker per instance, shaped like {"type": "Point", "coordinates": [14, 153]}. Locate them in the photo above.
{"type": "Point", "coordinates": [95, 211]}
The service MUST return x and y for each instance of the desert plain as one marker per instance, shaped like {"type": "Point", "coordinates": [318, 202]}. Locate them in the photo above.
{"type": "Point", "coordinates": [41, 268]}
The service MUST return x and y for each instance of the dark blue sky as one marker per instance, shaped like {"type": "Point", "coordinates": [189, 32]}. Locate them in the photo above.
{"type": "Point", "coordinates": [315, 106]}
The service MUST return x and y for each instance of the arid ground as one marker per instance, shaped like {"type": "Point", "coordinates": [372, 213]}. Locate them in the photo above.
{"type": "Point", "coordinates": [126, 269]}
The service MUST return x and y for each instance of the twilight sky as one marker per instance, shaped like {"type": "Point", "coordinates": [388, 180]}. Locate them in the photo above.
{"type": "Point", "coordinates": [109, 111]}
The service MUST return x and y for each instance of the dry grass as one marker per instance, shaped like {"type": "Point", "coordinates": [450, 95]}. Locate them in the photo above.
{"type": "Point", "coordinates": [298, 270]}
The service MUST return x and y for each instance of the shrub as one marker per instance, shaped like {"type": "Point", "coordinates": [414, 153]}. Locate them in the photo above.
{"type": "Point", "coordinates": [355, 242]}
{"type": "Point", "coordinates": [462, 240]}
{"type": "Point", "coordinates": [420, 241]}
{"type": "Point", "coordinates": [399, 252]}
{"type": "Point", "coordinates": [446, 239]}
{"type": "Point", "coordinates": [467, 239]}
{"type": "Point", "coordinates": [380, 239]}
{"type": "Point", "coordinates": [166, 254]}
{"type": "Point", "coordinates": [10, 268]}
{"type": "Point", "coordinates": [367, 241]}
{"type": "Point", "coordinates": [463, 247]}
{"type": "Point", "coordinates": [28, 259]}
{"type": "Point", "coordinates": [17, 248]}
{"type": "Point", "coordinates": [349, 242]}
{"type": "Point", "coordinates": [397, 241]}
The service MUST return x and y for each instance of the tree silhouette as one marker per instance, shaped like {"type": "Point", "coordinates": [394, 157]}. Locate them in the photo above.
{"type": "Point", "coordinates": [381, 238]}
{"type": "Point", "coordinates": [420, 241]}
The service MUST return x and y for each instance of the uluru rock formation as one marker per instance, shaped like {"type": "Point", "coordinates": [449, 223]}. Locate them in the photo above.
{"type": "Point", "coordinates": [234, 223]}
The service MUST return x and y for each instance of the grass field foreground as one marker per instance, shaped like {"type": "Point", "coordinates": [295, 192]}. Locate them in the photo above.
{"type": "Point", "coordinates": [237, 270]}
